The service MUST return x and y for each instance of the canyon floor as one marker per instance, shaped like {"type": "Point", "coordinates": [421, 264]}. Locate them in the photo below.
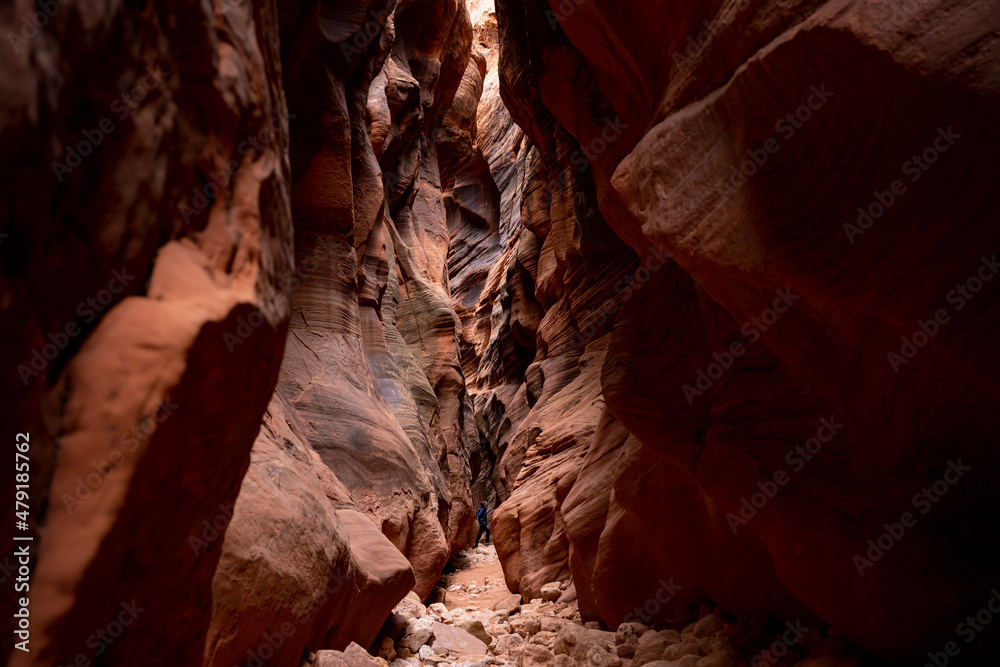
{"type": "Point", "coordinates": [474, 578]}
{"type": "Point", "coordinates": [699, 298]}
{"type": "Point", "coordinates": [481, 623]}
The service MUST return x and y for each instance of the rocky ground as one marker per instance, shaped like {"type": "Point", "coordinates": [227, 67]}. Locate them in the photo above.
{"type": "Point", "coordinates": [477, 624]}
{"type": "Point", "coordinates": [473, 577]}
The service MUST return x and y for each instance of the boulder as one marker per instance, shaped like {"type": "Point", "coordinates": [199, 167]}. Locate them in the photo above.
{"type": "Point", "coordinates": [533, 655]}
{"type": "Point", "coordinates": [385, 648]}
{"type": "Point", "coordinates": [576, 641]}
{"type": "Point", "coordinates": [410, 608]}
{"type": "Point", "coordinates": [441, 611]}
{"type": "Point", "coordinates": [439, 594]}
{"type": "Point", "coordinates": [352, 656]}
{"type": "Point", "coordinates": [342, 575]}
{"type": "Point", "coordinates": [543, 638]}
{"type": "Point", "coordinates": [394, 626]}
{"type": "Point", "coordinates": [552, 623]}
{"type": "Point", "coordinates": [686, 647]}
{"type": "Point", "coordinates": [626, 631]}
{"type": "Point", "coordinates": [652, 645]}
{"type": "Point", "coordinates": [551, 592]}
{"type": "Point", "coordinates": [510, 604]}
{"type": "Point", "coordinates": [506, 642]}
{"type": "Point", "coordinates": [418, 632]}
{"type": "Point", "coordinates": [498, 617]}
{"type": "Point", "coordinates": [525, 625]}
{"type": "Point", "coordinates": [718, 659]}
{"type": "Point", "coordinates": [709, 626]}
{"type": "Point", "coordinates": [457, 641]}
{"type": "Point", "coordinates": [475, 628]}
{"type": "Point", "coordinates": [628, 648]}
{"type": "Point", "coordinates": [599, 655]}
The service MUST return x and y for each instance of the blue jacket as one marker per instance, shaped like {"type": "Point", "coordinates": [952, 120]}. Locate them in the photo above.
{"type": "Point", "coordinates": [481, 515]}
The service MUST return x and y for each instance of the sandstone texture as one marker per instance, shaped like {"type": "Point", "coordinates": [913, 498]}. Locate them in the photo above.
{"type": "Point", "coordinates": [141, 232]}
{"type": "Point", "coordinates": [699, 297]}
{"type": "Point", "coordinates": [164, 281]}
{"type": "Point", "coordinates": [691, 181]}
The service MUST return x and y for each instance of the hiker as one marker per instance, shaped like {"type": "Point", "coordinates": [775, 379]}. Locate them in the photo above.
{"type": "Point", "coordinates": [484, 527]}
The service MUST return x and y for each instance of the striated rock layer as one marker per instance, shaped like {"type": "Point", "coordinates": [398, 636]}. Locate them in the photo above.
{"type": "Point", "coordinates": [370, 384]}
{"type": "Point", "coordinates": [146, 312]}
{"type": "Point", "coordinates": [697, 296]}
{"type": "Point", "coordinates": [689, 191]}
{"type": "Point", "coordinates": [146, 220]}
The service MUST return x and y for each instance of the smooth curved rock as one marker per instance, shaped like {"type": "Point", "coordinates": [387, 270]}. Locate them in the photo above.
{"type": "Point", "coordinates": [824, 300]}
{"type": "Point", "coordinates": [129, 279]}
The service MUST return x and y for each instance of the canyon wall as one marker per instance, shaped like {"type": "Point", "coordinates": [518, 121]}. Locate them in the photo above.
{"type": "Point", "coordinates": [146, 220]}
{"type": "Point", "coordinates": [757, 264]}
{"type": "Point", "coordinates": [697, 295]}
{"type": "Point", "coordinates": [226, 136]}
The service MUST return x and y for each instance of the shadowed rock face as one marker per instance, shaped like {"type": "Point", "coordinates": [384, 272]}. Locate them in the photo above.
{"type": "Point", "coordinates": [179, 223]}
{"type": "Point", "coordinates": [370, 382]}
{"type": "Point", "coordinates": [697, 296]}
{"type": "Point", "coordinates": [298, 544]}
{"type": "Point", "coordinates": [140, 232]}
{"type": "Point", "coordinates": [638, 473]}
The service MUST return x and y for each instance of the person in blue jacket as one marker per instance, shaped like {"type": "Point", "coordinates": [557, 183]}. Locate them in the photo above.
{"type": "Point", "coordinates": [484, 526]}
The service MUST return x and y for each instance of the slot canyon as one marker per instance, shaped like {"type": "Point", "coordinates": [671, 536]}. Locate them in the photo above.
{"type": "Point", "coordinates": [697, 296]}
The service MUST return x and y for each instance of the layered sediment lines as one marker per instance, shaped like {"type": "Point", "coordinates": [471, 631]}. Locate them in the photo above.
{"type": "Point", "coordinates": [121, 281]}
{"type": "Point", "coordinates": [699, 297]}
{"type": "Point", "coordinates": [755, 333]}
{"type": "Point", "coordinates": [313, 126]}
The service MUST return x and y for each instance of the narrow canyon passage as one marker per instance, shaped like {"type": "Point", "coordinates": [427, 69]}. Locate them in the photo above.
{"type": "Point", "coordinates": [697, 297]}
